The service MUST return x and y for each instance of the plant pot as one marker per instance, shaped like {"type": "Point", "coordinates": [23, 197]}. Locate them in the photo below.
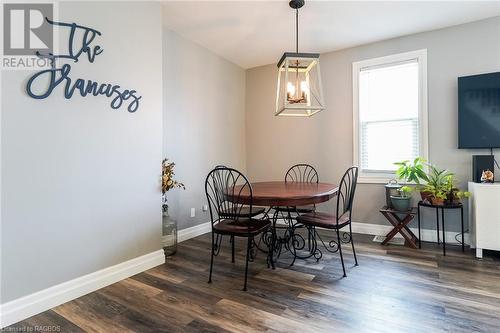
{"type": "Point", "coordinates": [426, 196]}
{"type": "Point", "coordinates": [391, 189]}
{"type": "Point", "coordinates": [401, 204]}
{"type": "Point", "coordinates": [437, 201]}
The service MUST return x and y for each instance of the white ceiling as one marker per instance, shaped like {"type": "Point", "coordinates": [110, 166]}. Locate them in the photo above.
{"type": "Point", "coordinates": [255, 33]}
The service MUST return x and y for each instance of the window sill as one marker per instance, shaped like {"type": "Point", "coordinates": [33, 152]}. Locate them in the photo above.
{"type": "Point", "coordinates": [373, 180]}
{"type": "Point", "coordinates": [379, 180]}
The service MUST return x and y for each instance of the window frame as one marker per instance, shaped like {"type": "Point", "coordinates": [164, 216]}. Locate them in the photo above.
{"type": "Point", "coordinates": [421, 56]}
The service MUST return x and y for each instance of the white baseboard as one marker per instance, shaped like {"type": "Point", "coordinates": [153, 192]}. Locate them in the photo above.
{"type": "Point", "coordinates": [370, 229]}
{"type": "Point", "coordinates": [30, 305]}
{"type": "Point", "coordinates": [195, 231]}
{"type": "Point", "coordinates": [428, 235]}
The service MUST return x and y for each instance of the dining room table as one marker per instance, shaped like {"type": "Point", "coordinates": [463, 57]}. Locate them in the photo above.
{"type": "Point", "coordinates": [283, 194]}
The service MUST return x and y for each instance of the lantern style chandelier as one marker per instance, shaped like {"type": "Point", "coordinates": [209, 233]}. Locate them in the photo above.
{"type": "Point", "coordinates": [299, 92]}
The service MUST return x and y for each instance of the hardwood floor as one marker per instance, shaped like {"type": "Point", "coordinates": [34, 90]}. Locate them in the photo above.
{"type": "Point", "coordinates": [394, 289]}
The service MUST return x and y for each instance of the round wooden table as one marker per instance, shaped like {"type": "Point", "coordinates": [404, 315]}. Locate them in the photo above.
{"type": "Point", "coordinates": [280, 193]}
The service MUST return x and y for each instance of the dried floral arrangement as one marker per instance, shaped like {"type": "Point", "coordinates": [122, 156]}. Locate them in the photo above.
{"type": "Point", "coordinates": [168, 181]}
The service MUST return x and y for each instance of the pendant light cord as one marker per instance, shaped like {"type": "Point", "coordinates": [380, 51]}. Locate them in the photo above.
{"type": "Point", "coordinates": [297, 87]}
{"type": "Point", "coordinates": [297, 30]}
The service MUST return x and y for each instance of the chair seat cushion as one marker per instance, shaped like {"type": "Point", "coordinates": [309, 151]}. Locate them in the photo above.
{"type": "Point", "coordinates": [241, 226]}
{"type": "Point", "coordinates": [323, 220]}
{"type": "Point", "coordinates": [298, 209]}
{"type": "Point", "coordinates": [244, 212]}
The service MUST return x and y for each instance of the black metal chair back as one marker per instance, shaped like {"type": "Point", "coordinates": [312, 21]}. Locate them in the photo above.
{"type": "Point", "coordinates": [345, 195]}
{"type": "Point", "coordinates": [224, 187]}
{"type": "Point", "coordinates": [302, 173]}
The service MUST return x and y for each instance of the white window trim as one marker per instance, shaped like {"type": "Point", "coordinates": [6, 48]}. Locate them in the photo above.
{"type": "Point", "coordinates": [421, 56]}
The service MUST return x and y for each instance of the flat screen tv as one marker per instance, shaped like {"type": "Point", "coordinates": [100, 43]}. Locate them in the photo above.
{"type": "Point", "coordinates": [479, 111]}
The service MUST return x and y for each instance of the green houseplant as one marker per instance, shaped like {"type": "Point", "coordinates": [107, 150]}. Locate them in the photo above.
{"type": "Point", "coordinates": [414, 172]}
{"type": "Point", "coordinates": [439, 183]}
{"type": "Point", "coordinates": [409, 172]}
{"type": "Point", "coordinates": [401, 202]}
{"type": "Point", "coordinates": [436, 186]}
{"type": "Point", "coordinates": [443, 188]}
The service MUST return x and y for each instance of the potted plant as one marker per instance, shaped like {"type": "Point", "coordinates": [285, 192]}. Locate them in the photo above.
{"type": "Point", "coordinates": [401, 202]}
{"type": "Point", "coordinates": [169, 226]}
{"type": "Point", "coordinates": [439, 182]}
{"type": "Point", "coordinates": [413, 172]}
{"type": "Point", "coordinates": [442, 186]}
{"type": "Point", "coordinates": [437, 186]}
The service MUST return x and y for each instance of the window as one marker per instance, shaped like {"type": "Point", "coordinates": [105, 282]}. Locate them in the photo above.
{"type": "Point", "coordinates": [390, 113]}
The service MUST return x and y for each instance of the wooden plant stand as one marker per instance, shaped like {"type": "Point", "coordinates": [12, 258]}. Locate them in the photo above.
{"type": "Point", "coordinates": [400, 225]}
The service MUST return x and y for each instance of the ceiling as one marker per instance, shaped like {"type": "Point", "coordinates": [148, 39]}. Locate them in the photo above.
{"type": "Point", "coordinates": [255, 33]}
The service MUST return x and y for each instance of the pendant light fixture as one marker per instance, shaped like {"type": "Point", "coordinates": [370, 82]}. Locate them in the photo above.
{"type": "Point", "coordinates": [299, 92]}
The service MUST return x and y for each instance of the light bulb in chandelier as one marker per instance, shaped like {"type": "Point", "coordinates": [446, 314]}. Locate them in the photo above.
{"type": "Point", "coordinates": [295, 95]}
{"type": "Point", "coordinates": [304, 88]}
{"type": "Point", "coordinates": [290, 88]}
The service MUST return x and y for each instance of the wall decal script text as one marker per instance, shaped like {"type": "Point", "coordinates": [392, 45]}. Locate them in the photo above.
{"type": "Point", "coordinates": [61, 76]}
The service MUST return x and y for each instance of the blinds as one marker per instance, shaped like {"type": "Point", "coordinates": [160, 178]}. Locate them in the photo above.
{"type": "Point", "coordinates": [388, 115]}
{"type": "Point", "coordinates": [386, 142]}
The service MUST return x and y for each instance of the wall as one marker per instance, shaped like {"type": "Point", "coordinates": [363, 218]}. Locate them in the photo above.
{"type": "Point", "coordinates": [203, 121]}
{"type": "Point", "coordinates": [325, 140]}
{"type": "Point", "coordinates": [80, 181]}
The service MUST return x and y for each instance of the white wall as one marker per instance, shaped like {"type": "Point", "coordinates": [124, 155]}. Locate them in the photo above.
{"type": "Point", "coordinates": [325, 140]}
{"type": "Point", "coordinates": [80, 181]}
{"type": "Point", "coordinates": [203, 120]}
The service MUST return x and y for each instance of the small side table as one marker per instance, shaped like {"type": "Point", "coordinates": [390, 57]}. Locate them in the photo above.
{"type": "Point", "coordinates": [442, 207]}
{"type": "Point", "coordinates": [401, 225]}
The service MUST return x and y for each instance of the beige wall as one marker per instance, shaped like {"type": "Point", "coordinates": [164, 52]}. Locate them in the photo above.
{"type": "Point", "coordinates": [325, 140]}
{"type": "Point", "coordinates": [203, 120]}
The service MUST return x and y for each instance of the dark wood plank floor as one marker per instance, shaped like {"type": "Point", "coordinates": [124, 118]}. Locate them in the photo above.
{"type": "Point", "coordinates": [395, 289]}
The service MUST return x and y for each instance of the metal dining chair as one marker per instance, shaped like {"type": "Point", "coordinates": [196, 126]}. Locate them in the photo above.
{"type": "Point", "coordinates": [304, 173]}
{"type": "Point", "coordinates": [246, 211]}
{"type": "Point", "coordinates": [340, 220]}
{"type": "Point", "coordinates": [226, 216]}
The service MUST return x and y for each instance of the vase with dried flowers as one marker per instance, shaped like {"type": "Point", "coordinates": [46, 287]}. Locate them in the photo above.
{"type": "Point", "coordinates": [169, 225]}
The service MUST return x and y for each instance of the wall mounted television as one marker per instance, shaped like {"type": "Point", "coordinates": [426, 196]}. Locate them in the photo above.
{"type": "Point", "coordinates": [479, 111]}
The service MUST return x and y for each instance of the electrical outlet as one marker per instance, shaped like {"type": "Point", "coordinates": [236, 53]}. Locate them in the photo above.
{"type": "Point", "coordinates": [205, 208]}
{"type": "Point", "coordinates": [193, 212]}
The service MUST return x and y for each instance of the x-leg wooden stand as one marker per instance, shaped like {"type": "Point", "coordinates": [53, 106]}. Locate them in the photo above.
{"type": "Point", "coordinates": [400, 225]}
